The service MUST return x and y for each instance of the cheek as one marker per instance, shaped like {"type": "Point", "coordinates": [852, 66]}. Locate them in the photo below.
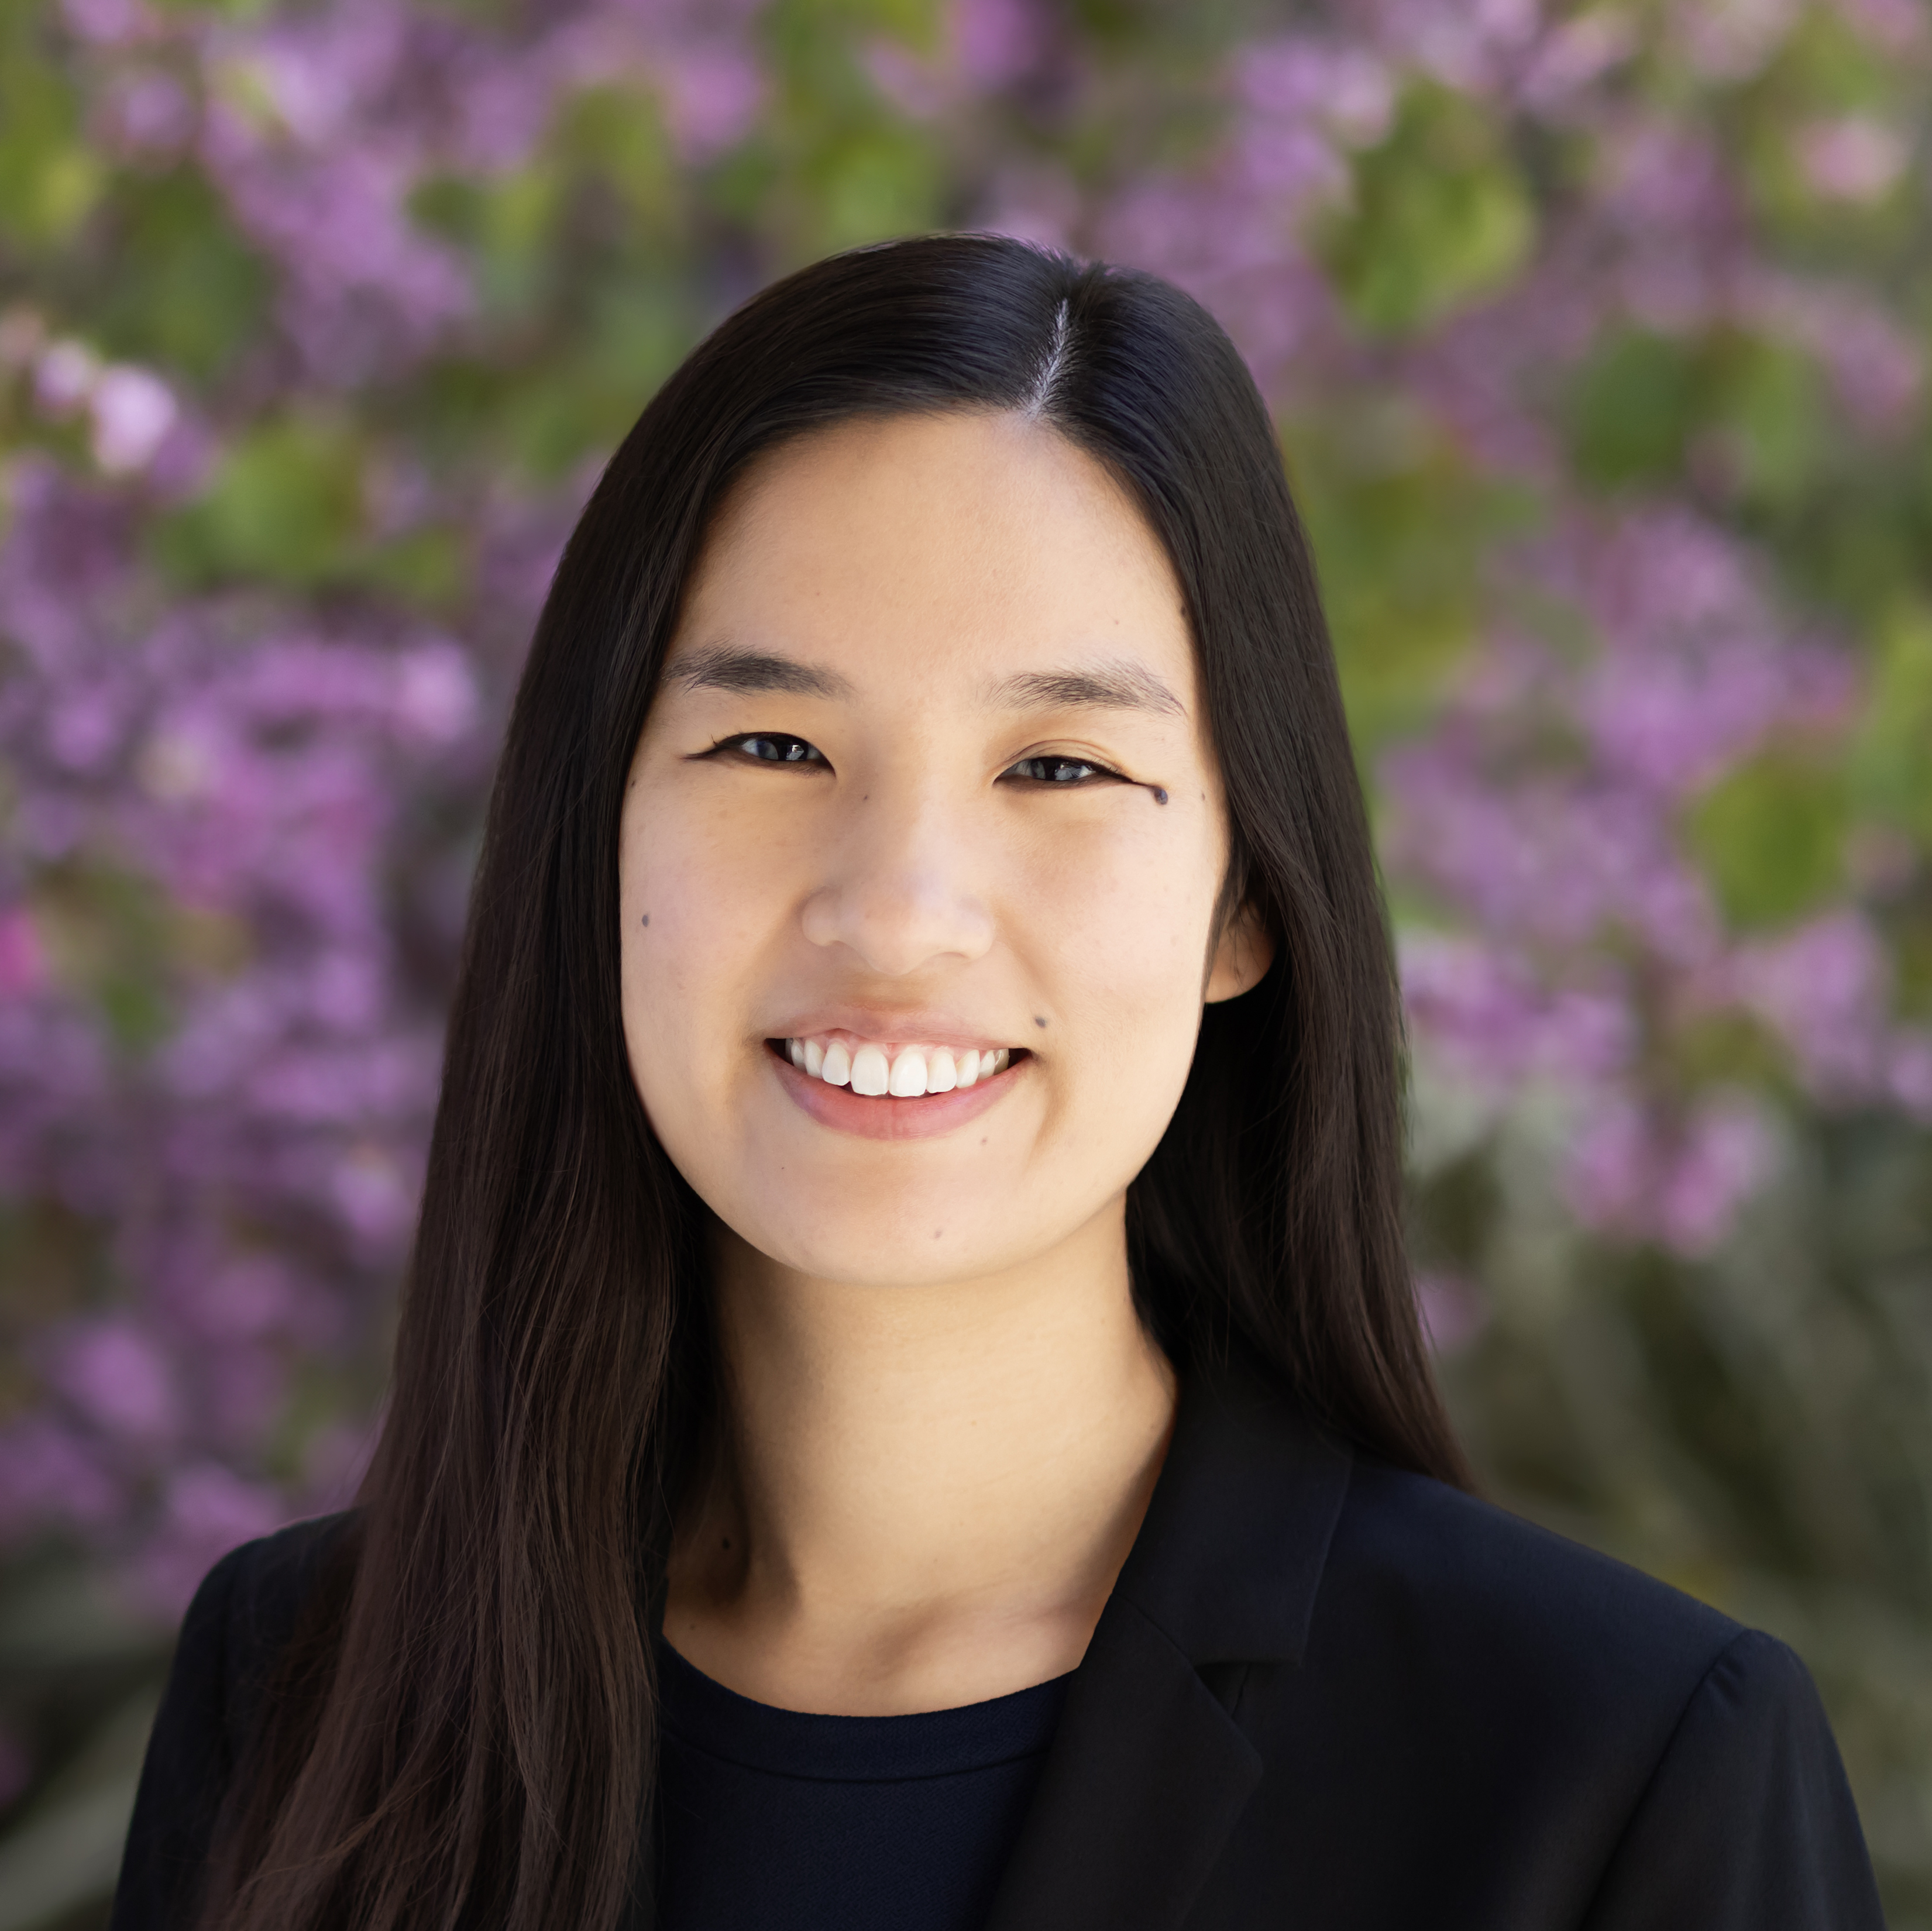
{"type": "Point", "coordinates": [705, 909]}
{"type": "Point", "coordinates": [1127, 935]}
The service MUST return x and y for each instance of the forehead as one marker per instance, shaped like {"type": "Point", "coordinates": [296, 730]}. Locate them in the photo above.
{"type": "Point", "coordinates": [942, 548]}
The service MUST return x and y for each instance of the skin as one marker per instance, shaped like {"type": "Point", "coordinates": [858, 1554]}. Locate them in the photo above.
{"type": "Point", "coordinates": [944, 1420]}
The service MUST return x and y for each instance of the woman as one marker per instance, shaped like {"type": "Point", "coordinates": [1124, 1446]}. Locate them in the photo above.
{"type": "Point", "coordinates": [909, 1408]}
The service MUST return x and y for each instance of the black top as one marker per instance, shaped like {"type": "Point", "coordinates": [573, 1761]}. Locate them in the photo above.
{"type": "Point", "coordinates": [774, 1821]}
{"type": "Point", "coordinates": [1324, 1694]}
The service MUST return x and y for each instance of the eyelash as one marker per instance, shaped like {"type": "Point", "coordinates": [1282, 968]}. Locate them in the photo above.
{"type": "Point", "coordinates": [796, 751]}
{"type": "Point", "coordinates": [799, 752]}
{"type": "Point", "coordinates": [1094, 771]}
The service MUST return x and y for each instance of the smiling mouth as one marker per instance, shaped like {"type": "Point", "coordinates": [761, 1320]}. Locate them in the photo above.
{"type": "Point", "coordinates": [888, 1072]}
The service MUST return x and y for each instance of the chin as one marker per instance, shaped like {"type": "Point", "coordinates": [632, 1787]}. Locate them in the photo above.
{"type": "Point", "coordinates": [904, 1245]}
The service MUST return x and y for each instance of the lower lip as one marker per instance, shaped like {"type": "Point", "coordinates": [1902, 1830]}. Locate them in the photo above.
{"type": "Point", "coordinates": [884, 1117]}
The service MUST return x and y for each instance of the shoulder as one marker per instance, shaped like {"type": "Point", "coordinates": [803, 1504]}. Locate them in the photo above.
{"type": "Point", "coordinates": [235, 1635]}
{"type": "Point", "coordinates": [244, 1615]}
{"type": "Point", "coordinates": [1489, 1575]}
{"type": "Point", "coordinates": [1570, 1740]}
{"type": "Point", "coordinates": [1522, 1654]}
{"type": "Point", "coordinates": [257, 1588]}
{"type": "Point", "coordinates": [1551, 1635]}
{"type": "Point", "coordinates": [1269, 1537]}
{"type": "Point", "coordinates": [1452, 1716]}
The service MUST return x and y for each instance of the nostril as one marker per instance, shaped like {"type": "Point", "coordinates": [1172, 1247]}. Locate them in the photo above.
{"type": "Point", "coordinates": [895, 926]}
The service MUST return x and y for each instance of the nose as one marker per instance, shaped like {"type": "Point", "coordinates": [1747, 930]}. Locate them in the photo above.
{"type": "Point", "coordinates": [899, 894]}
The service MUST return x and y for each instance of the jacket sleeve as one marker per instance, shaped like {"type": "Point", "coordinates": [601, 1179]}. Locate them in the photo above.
{"type": "Point", "coordinates": [1748, 1822]}
{"type": "Point", "coordinates": [189, 1762]}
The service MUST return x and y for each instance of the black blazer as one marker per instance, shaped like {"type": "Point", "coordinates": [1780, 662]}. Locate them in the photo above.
{"type": "Point", "coordinates": [1324, 1696]}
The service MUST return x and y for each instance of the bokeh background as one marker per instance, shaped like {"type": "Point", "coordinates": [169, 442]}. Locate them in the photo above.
{"type": "Point", "coordinates": [1597, 336]}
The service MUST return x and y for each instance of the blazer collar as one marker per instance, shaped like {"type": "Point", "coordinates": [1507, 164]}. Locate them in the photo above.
{"type": "Point", "coordinates": [1230, 1556]}
{"type": "Point", "coordinates": [1149, 1771]}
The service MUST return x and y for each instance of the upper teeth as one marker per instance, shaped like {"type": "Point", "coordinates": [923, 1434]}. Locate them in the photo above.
{"type": "Point", "coordinates": [904, 1071]}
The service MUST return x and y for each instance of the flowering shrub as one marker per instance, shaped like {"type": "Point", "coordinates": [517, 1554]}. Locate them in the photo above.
{"type": "Point", "coordinates": [1597, 336]}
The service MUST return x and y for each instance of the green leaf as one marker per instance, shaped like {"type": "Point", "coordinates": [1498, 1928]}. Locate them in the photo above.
{"type": "Point", "coordinates": [1767, 405]}
{"type": "Point", "coordinates": [231, 9]}
{"type": "Point", "coordinates": [1441, 216]}
{"type": "Point", "coordinates": [1771, 837]}
{"type": "Point", "coordinates": [1891, 761]}
{"type": "Point", "coordinates": [917, 24]}
{"type": "Point", "coordinates": [833, 165]}
{"type": "Point", "coordinates": [48, 180]}
{"type": "Point", "coordinates": [286, 506]}
{"type": "Point", "coordinates": [618, 135]}
{"type": "Point", "coordinates": [1748, 415]}
{"type": "Point", "coordinates": [508, 227]}
{"type": "Point", "coordinates": [1631, 411]}
{"type": "Point", "coordinates": [881, 182]}
{"type": "Point", "coordinates": [429, 568]}
{"type": "Point", "coordinates": [108, 932]}
{"type": "Point", "coordinates": [1401, 531]}
{"type": "Point", "coordinates": [186, 291]}
{"type": "Point", "coordinates": [567, 408]}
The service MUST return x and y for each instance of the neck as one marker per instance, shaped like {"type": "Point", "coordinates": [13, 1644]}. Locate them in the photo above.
{"type": "Point", "coordinates": [922, 1495]}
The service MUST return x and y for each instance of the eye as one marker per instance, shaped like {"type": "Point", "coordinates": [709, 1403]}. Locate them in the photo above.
{"type": "Point", "coordinates": [1063, 773]}
{"type": "Point", "coordinates": [772, 748]}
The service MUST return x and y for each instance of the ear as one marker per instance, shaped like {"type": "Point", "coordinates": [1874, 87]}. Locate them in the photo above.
{"type": "Point", "coordinates": [1246, 951]}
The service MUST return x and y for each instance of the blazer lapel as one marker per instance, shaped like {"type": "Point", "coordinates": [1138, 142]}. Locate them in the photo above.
{"type": "Point", "coordinates": [1149, 1771]}
{"type": "Point", "coordinates": [1145, 1781]}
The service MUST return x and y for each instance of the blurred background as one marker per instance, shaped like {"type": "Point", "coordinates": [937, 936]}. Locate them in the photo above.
{"type": "Point", "coordinates": [1597, 336]}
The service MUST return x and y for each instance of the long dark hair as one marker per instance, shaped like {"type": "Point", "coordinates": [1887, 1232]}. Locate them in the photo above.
{"type": "Point", "coordinates": [464, 1733]}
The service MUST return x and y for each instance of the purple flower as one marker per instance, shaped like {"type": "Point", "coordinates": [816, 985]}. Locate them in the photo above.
{"type": "Point", "coordinates": [110, 23]}
{"type": "Point", "coordinates": [23, 966]}
{"type": "Point", "coordinates": [1453, 1311]}
{"type": "Point", "coordinates": [50, 1478]}
{"type": "Point", "coordinates": [1825, 990]}
{"type": "Point", "coordinates": [146, 115]}
{"type": "Point", "coordinates": [1678, 1180]}
{"type": "Point", "coordinates": [996, 41]}
{"type": "Point", "coordinates": [1331, 86]}
{"type": "Point", "coordinates": [1572, 57]}
{"type": "Point", "coordinates": [64, 377]}
{"type": "Point", "coordinates": [133, 411]}
{"type": "Point", "coordinates": [1909, 1073]}
{"type": "Point", "coordinates": [1731, 40]}
{"type": "Point", "coordinates": [435, 699]}
{"type": "Point", "coordinates": [208, 1510]}
{"type": "Point", "coordinates": [1876, 364]}
{"type": "Point", "coordinates": [1852, 158]}
{"type": "Point", "coordinates": [1500, 1024]}
{"type": "Point", "coordinates": [115, 1376]}
{"type": "Point", "coordinates": [1893, 26]}
{"type": "Point", "coordinates": [712, 95]}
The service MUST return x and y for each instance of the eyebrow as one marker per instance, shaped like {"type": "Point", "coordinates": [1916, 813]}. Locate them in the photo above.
{"type": "Point", "coordinates": [1119, 685]}
{"type": "Point", "coordinates": [727, 667]}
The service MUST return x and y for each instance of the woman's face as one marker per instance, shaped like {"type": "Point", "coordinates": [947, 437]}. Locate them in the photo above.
{"type": "Point", "coordinates": [926, 782]}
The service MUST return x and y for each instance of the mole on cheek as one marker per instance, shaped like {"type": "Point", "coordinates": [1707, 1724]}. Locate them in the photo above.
{"type": "Point", "coordinates": [647, 918]}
